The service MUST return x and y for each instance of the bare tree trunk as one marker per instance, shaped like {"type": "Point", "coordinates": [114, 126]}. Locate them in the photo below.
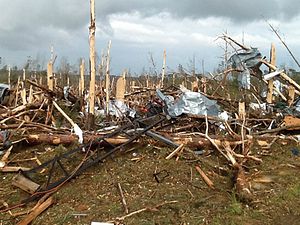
{"type": "Point", "coordinates": [50, 75]}
{"type": "Point", "coordinates": [92, 31]}
{"type": "Point", "coordinates": [271, 81]}
{"type": "Point", "coordinates": [163, 69]}
{"type": "Point", "coordinates": [107, 76]}
{"type": "Point", "coordinates": [81, 79]}
{"type": "Point", "coordinates": [9, 75]}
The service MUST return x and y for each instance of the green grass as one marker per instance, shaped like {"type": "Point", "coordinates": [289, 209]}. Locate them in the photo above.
{"type": "Point", "coordinates": [235, 207]}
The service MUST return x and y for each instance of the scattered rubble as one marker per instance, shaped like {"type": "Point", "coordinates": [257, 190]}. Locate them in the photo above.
{"type": "Point", "coordinates": [186, 118]}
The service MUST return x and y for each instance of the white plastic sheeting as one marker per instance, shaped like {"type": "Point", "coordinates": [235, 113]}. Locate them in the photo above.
{"type": "Point", "coordinates": [119, 109]}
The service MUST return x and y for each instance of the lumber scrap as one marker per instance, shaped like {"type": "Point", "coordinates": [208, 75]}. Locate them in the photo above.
{"type": "Point", "coordinates": [25, 184]}
{"type": "Point", "coordinates": [37, 211]}
{"type": "Point", "coordinates": [178, 149]}
{"type": "Point", "coordinates": [12, 169]}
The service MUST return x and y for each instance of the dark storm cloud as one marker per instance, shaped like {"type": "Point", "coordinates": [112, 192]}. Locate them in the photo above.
{"type": "Point", "coordinates": [237, 10]}
{"type": "Point", "coordinates": [73, 14]}
{"type": "Point", "coordinates": [33, 25]}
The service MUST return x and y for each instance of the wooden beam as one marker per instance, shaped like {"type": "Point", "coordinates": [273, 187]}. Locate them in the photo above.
{"type": "Point", "coordinates": [25, 184]}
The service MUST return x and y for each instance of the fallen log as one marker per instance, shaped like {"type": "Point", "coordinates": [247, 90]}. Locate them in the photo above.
{"type": "Point", "coordinates": [200, 142]}
{"type": "Point", "coordinates": [56, 139]}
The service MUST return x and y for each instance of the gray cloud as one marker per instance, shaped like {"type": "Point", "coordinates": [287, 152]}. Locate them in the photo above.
{"type": "Point", "coordinates": [32, 25]}
{"type": "Point", "coordinates": [237, 10]}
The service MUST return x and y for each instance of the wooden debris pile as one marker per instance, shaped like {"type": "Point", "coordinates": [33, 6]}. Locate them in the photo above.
{"type": "Point", "coordinates": [128, 109]}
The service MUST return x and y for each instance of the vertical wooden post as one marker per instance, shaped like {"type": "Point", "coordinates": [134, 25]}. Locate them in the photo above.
{"type": "Point", "coordinates": [271, 81]}
{"type": "Point", "coordinates": [107, 77]}
{"type": "Point", "coordinates": [30, 97]}
{"type": "Point", "coordinates": [163, 69]}
{"type": "Point", "coordinates": [81, 79]}
{"type": "Point", "coordinates": [120, 88]}
{"type": "Point", "coordinates": [17, 92]}
{"type": "Point", "coordinates": [9, 75]}
{"type": "Point", "coordinates": [92, 31]}
{"type": "Point", "coordinates": [68, 80]}
{"type": "Point", "coordinates": [291, 97]}
{"type": "Point", "coordinates": [242, 110]}
{"type": "Point", "coordinates": [23, 91]}
{"type": "Point", "coordinates": [173, 79]}
{"type": "Point", "coordinates": [101, 67]}
{"type": "Point", "coordinates": [50, 75]}
{"type": "Point", "coordinates": [54, 81]}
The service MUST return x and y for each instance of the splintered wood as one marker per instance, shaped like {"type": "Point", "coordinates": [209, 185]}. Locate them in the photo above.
{"type": "Point", "coordinates": [209, 121]}
{"type": "Point", "coordinates": [120, 88]}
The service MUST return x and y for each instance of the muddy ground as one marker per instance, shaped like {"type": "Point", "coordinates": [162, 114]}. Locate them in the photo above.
{"type": "Point", "coordinates": [94, 196]}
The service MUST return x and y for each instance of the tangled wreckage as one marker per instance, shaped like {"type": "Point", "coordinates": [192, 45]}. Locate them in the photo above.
{"type": "Point", "coordinates": [196, 115]}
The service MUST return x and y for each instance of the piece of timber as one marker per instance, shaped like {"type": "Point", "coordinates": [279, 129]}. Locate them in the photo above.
{"type": "Point", "coordinates": [25, 184]}
{"type": "Point", "coordinates": [37, 211]}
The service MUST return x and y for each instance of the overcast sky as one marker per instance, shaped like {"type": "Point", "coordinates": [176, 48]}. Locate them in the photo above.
{"type": "Point", "coordinates": [184, 28]}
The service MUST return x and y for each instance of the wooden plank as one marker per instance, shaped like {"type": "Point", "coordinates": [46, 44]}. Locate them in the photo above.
{"type": "Point", "coordinates": [37, 211]}
{"type": "Point", "coordinates": [175, 151]}
{"type": "Point", "coordinates": [25, 184]}
{"type": "Point", "coordinates": [11, 169]}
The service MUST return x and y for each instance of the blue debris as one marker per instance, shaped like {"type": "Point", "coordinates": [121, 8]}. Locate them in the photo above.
{"type": "Point", "coordinates": [295, 151]}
